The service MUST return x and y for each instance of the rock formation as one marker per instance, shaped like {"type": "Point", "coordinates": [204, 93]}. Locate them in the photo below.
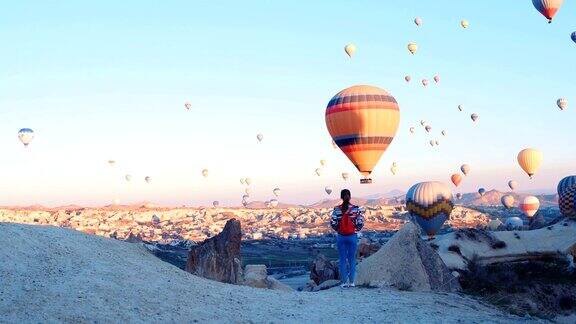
{"type": "Point", "coordinates": [218, 258]}
{"type": "Point", "coordinates": [366, 248]}
{"type": "Point", "coordinates": [256, 275]}
{"type": "Point", "coordinates": [323, 269]}
{"type": "Point", "coordinates": [406, 262]}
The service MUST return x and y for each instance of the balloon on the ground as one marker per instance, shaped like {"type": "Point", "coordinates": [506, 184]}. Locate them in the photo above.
{"type": "Point", "coordinates": [513, 184]}
{"type": "Point", "coordinates": [481, 191]}
{"type": "Point", "coordinates": [464, 23]}
{"type": "Point", "coordinates": [529, 206]}
{"type": "Point", "coordinates": [507, 201]}
{"type": "Point", "coordinates": [474, 117]}
{"type": "Point", "coordinates": [548, 8]}
{"type": "Point", "coordinates": [345, 175]}
{"type": "Point", "coordinates": [465, 168]}
{"type": "Point", "coordinates": [328, 190]}
{"type": "Point", "coordinates": [494, 224]}
{"type": "Point", "coordinates": [350, 49]}
{"type": "Point", "coordinates": [562, 103]}
{"type": "Point", "coordinates": [276, 192]}
{"type": "Point", "coordinates": [530, 160]}
{"type": "Point", "coordinates": [425, 82]}
{"type": "Point", "coordinates": [430, 204]}
{"type": "Point", "coordinates": [412, 48]}
{"type": "Point", "coordinates": [514, 222]}
{"type": "Point", "coordinates": [26, 135]}
{"type": "Point", "coordinates": [407, 78]}
{"type": "Point", "coordinates": [363, 121]}
{"type": "Point", "coordinates": [259, 137]}
{"type": "Point", "coordinates": [205, 173]}
{"type": "Point", "coordinates": [456, 179]}
{"type": "Point", "coordinates": [418, 21]}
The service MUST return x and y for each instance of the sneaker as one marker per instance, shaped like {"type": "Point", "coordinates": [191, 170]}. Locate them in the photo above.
{"type": "Point", "coordinates": [345, 285]}
{"type": "Point", "coordinates": [352, 285]}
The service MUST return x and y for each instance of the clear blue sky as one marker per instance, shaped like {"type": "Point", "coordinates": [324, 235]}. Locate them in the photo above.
{"type": "Point", "coordinates": [108, 80]}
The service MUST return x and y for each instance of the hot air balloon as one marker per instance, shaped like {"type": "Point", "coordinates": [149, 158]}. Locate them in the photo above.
{"type": "Point", "coordinates": [431, 142]}
{"type": "Point", "coordinates": [276, 192]}
{"type": "Point", "coordinates": [562, 103]}
{"type": "Point", "coordinates": [458, 196]}
{"type": "Point", "coordinates": [363, 121]}
{"type": "Point", "coordinates": [318, 171]}
{"type": "Point", "coordinates": [394, 168]}
{"type": "Point", "coordinates": [474, 117]}
{"type": "Point", "coordinates": [436, 142]}
{"type": "Point", "coordinates": [465, 168]}
{"type": "Point", "coordinates": [205, 173]}
{"type": "Point", "coordinates": [460, 107]}
{"type": "Point", "coordinates": [328, 190]}
{"type": "Point", "coordinates": [242, 181]}
{"type": "Point", "coordinates": [512, 184]}
{"type": "Point", "coordinates": [464, 23]}
{"type": "Point", "coordinates": [273, 203]}
{"type": "Point", "coordinates": [565, 184]}
{"type": "Point", "coordinates": [430, 204]}
{"type": "Point", "coordinates": [530, 160]}
{"type": "Point", "coordinates": [412, 129]}
{"type": "Point", "coordinates": [25, 135]}
{"type": "Point", "coordinates": [111, 163]}
{"type": "Point", "coordinates": [345, 176]}
{"type": "Point", "coordinates": [412, 48]}
{"type": "Point", "coordinates": [548, 8]}
{"type": "Point", "coordinates": [215, 203]}
{"type": "Point", "coordinates": [456, 179]}
{"type": "Point", "coordinates": [436, 78]}
{"type": "Point", "coordinates": [567, 199]}
{"type": "Point", "coordinates": [407, 78]}
{"type": "Point", "coordinates": [428, 128]}
{"type": "Point", "coordinates": [259, 137]}
{"type": "Point", "coordinates": [248, 181]}
{"type": "Point", "coordinates": [247, 191]}
{"type": "Point", "coordinates": [494, 224]}
{"type": "Point", "coordinates": [529, 206]}
{"type": "Point", "coordinates": [128, 177]}
{"type": "Point", "coordinates": [443, 132]}
{"type": "Point", "coordinates": [425, 82]}
{"type": "Point", "coordinates": [418, 21]}
{"type": "Point", "coordinates": [507, 201]}
{"type": "Point", "coordinates": [323, 162]}
{"type": "Point", "coordinates": [350, 49]}
{"type": "Point", "coordinates": [422, 122]}
{"type": "Point", "coordinates": [481, 191]}
{"type": "Point", "coordinates": [147, 179]}
{"type": "Point", "coordinates": [187, 105]}
{"type": "Point", "coordinates": [514, 222]}
{"type": "Point", "coordinates": [573, 36]}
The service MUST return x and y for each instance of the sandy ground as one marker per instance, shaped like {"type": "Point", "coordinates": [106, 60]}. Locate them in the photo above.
{"type": "Point", "coordinates": [50, 274]}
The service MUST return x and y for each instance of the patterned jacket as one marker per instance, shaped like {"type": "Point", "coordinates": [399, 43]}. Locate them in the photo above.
{"type": "Point", "coordinates": [356, 214]}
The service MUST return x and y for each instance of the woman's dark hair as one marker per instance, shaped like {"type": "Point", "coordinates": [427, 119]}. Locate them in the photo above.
{"type": "Point", "coordinates": [345, 203]}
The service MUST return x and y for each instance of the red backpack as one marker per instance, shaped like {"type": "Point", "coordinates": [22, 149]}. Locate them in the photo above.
{"type": "Point", "coordinates": [346, 226]}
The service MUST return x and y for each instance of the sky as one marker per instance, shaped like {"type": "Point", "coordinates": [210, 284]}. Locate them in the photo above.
{"type": "Point", "coordinates": [108, 80]}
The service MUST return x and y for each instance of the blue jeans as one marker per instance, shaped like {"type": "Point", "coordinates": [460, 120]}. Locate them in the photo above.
{"type": "Point", "coordinates": [347, 246]}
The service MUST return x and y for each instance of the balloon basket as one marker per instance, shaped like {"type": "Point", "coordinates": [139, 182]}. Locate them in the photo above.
{"type": "Point", "coordinates": [366, 181]}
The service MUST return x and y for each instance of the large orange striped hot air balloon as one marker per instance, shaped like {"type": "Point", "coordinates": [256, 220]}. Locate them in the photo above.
{"type": "Point", "coordinates": [362, 121]}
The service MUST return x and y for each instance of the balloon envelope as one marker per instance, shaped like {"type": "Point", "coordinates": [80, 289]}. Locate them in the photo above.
{"type": "Point", "coordinates": [276, 192]}
{"type": "Point", "coordinates": [350, 49]}
{"type": "Point", "coordinates": [328, 190]}
{"type": "Point", "coordinates": [507, 201]}
{"type": "Point", "coordinates": [412, 129]}
{"type": "Point", "coordinates": [464, 23]}
{"type": "Point", "coordinates": [215, 203]}
{"type": "Point", "coordinates": [428, 128]}
{"type": "Point", "coordinates": [412, 48]}
{"type": "Point", "coordinates": [573, 36]}
{"type": "Point", "coordinates": [436, 78]}
{"type": "Point", "coordinates": [474, 117]}
{"type": "Point", "coordinates": [128, 177]}
{"type": "Point", "coordinates": [205, 173]}
{"type": "Point", "coordinates": [363, 121]}
{"type": "Point", "coordinates": [514, 222]}
{"type": "Point", "coordinates": [407, 78]}
{"type": "Point", "coordinates": [481, 191]}
{"type": "Point", "coordinates": [513, 184]}
{"type": "Point", "coordinates": [430, 204]}
{"type": "Point", "coordinates": [418, 21]}
{"type": "Point", "coordinates": [465, 168]}
{"type": "Point", "coordinates": [345, 175]}
{"type": "Point", "coordinates": [424, 82]}
{"type": "Point", "coordinates": [529, 206]}
{"type": "Point", "coordinates": [259, 137]}
{"type": "Point", "coordinates": [187, 105]}
{"type": "Point", "coordinates": [548, 8]}
{"type": "Point", "coordinates": [567, 202]}
{"type": "Point", "coordinates": [530, 160]}
{"type": "Point", "coordinates": [562, 103]}
{"type": "Point", "coordinates": [26, 135]}
{"type": "Point", "coordinates": [147, 179]}
{"type": "Point", "coordinates": [456, 179]}
{"type": "Point", "coordinates": [494, 224]}
{"type": "Point", "coordinates": [460, 107]}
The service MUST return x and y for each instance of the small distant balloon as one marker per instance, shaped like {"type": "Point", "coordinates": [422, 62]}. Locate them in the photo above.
{"type": "Point", "coordinates": [350, 49]}
{"type": "Point", "coordinates": [318, 172]}
{"type": "Point", "coordinates": [26, 135]}
{"type": "Point", "coordinates": [247, 191]}
{"type": "Point", "coordinates": [464, 23]}
{"type": "Point", "coordinates": [345, 176]}
{"type": "Point", "coordinates": [428, 128]}
{"type": "Point", "coordinates": [407, 78]}
{"type": "Point", "coordinates": [436, 78]}
{"type": "Point", "coordinates": [215, 203]}
{"type": "Point", "coordinates": [507, 201]}
{"type": "Point", "coordinates": [412, 129]}
{"type": "Point", "coordinates": [147, 179]}
{"type": "Point", "coordinates": [273, 203]}
{"type": "Point", "coordinates": [187, 105]}
{"type": "Point", "coordinates": [412, 48]}
{"type": "Point", "coordinates": [205, 173]}
{"type": "Point", "coordinates": [276, 192]}
{"type": "Point", "coordinates": [422, 122]}
{"type": "Point", "coordinates": [431, 142]}
{"type": "Point", "coordinates": [465, 168]}
{"type": "Point", "coordinates": [436, 142]}
{"type": "Point", "coordinates": [418, 21]}
{"type": "Point", "coordinates": [443, 132]}
{"type": "Point", "coordinates": [573, 36]}
{"type": "Point", "coordinates": [242, 181]}
{"type": "Point", "coordinates": [394, 168]}
{"type": "Point", "coordinates": [460, 107]}
{"type": "Point", "coordinates": [259, 137]}
{"type": "Point", "coordinates": [328, 190]}
{"type": "Point", "coordinates": [323, 162]}
{"type": "Point", "coordinates": [513, 184]}
{"type": "Point", "coordinates": [128, 177]}
{"type": "Point", "coordinates": [111, 162]}
{"type": "Point", "coordinates": [248, 181]}
{"type": "Point", "coordinates": [481, 191]}
{"type": "Point", "coordinates": [562, 103]}
{"type": "Point", "coordinates": [425, 82]}
{"type": "Point", "coordinates": [456, 179]}
{"type": "Point", "coordinates": [474, 117]}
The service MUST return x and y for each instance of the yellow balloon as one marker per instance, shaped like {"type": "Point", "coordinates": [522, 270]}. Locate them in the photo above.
{"type": "Point", "coordinates": [350, 49]}
{"type": "Point", "coordinates": [413, 47]}
{"type": "Point", "coordinates": [464, 23]}
{"type": "Point", "coordinates": [530, 160]}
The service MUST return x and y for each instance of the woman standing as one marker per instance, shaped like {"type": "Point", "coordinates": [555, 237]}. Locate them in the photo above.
{"type": "Point", "coordinates": [347, 220]}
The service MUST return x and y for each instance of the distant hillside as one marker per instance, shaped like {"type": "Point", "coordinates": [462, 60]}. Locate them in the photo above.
{"type": "Point", "coordinates": [492, 198]}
